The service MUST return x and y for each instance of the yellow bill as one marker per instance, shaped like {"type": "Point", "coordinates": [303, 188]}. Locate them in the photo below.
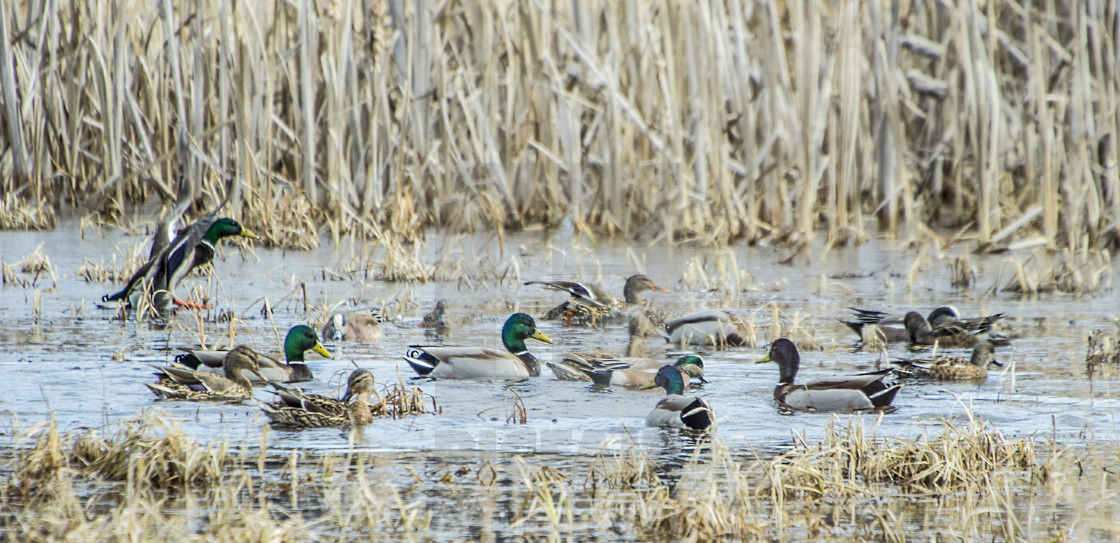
{"type": "Point", "coordinates": [539, 336]}
{"type": "Point", "coordinates": [319, 349]}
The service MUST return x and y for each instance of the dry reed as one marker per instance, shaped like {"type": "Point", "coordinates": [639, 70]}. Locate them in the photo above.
{"type": "Point", "coordinates": [709, 122]}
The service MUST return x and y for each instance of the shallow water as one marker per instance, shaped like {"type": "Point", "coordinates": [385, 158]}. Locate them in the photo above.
{"type": "Point", "coordinates": [86, 368]}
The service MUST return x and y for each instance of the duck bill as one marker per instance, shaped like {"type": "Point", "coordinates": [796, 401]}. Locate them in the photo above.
{"type": "Point", "coordinates": [763, 360]}
{"type": "Point", "coordinates": [248, 234]}
{"type": "Point", "coordinates": [259, 376]}
{"type": "Point", "coordinates": [537, 335]}
{"type": "Point", "coordinates": [319, 349]}
{"type": "Point", "coordinates": [658, 289]}
{"type": "Point", "coordinates": [647, 386]}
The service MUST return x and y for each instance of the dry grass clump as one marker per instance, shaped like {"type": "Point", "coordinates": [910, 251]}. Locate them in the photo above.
{"type": "Point", "coordinates": [956, 459]}
{"type": "Point", "coordinates": [18, 213]}
{"type": "Point", "coordinates": [29, 270]}
{"type": "Point", "coordinates": [401, 400]}
{"type": "Point", "coordinates": [1075, 272]}
{"type": "Point", "coordinates": [966, 482]}
{"type": "Point", "coordinates": [1104, 348]}
{"type": "Point", "coordinates": [148, 451]}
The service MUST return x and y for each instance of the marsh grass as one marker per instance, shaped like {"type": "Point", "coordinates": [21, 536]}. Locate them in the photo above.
{"type": "Point", "coordinates": [1104, 347]}
{"type": "Point", "coordinates": [697, 123]}
{"type": "Point", "coordinates": [1078, 272]}
{"type": "Point", "coordinates": [960, 478]}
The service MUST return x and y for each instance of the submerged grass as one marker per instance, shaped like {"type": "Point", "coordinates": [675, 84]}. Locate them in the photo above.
{"type": "Point", "coordinates": [684, 122]}
{"type": "Point", "coordinates": [960, 479]}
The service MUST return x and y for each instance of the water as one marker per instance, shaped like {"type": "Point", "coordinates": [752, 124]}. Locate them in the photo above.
{"type": "Point", "coordinates": [87, 368]}
{"type": "Point", "coordinates": [79, 364]}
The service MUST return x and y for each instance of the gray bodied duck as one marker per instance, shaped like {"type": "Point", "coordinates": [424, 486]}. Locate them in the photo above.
{"type": "Point", "coordinates": [676, 410]}
{"type": "Point", "coordinates": [842, 393]}
{"type": "Point", "coordinates": [294, 369]}
{"type": "Point", "coordinates": [171, 260]}
{"type": "Point", "coordinates": [470, 362]}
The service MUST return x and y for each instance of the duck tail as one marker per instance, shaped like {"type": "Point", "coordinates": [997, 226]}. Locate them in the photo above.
{"type": "Point", "coordinates": [565, 371]}
{"type": "Point", "coordinates": [697, 415]}
{"type": "Point", "coordinates": [884, 398]}
{"type": "Point", "coordinates": [599, 377]}
{"type": "Point", "coordinates": [856, 327]}
{"type": "Point", "coordinates": [422, 363]}
{"type": "Point", "coordinates": [116, 296]}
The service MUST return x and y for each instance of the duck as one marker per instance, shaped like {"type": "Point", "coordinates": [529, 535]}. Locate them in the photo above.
{"type": "Point", "coordinates": [632, 372]}
{"type": "Point", "coordinates": [676, 410]}
{"type": "Point", "coordinates": [880, 326]}
{"type": "Point", "coordinates": [843, 393]}
{"type": "Point", "coordinates": [589, 303]}
{"type": "Point", "coordinates": [952, 368]}
{"type": "Point", "coordinates": [949, 334]}
{"type": "Point", "coordinates": [300, 339]}
{"type": "Point", "coordinates": [353, 326]}
{"type": "Point", "coordinates": [299, 409]}
{"type": "Point", "coordinates": [177, 382]}
{"type": "Point", "coordinates": [717, 328]}
{"type": "Point", "coordinates": [569, 366]}
{"type": "Point", "coordinates": [172, 260]}
{"type": "Point", "coordinates": [436, 318]}
{"type": "Point", "coordinates": [470, 362]}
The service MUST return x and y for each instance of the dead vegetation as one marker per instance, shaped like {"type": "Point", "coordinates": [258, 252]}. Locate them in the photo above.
{"type": "Point", "coordinates": [682, 122]}
{"type": "Point", "coordinates": [1104, 347]}
{"type": "Point", "coordinates": [960, 479]}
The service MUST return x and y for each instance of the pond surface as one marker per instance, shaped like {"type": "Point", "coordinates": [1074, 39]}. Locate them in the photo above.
{"type": "Point", "coordinates": [86, 368]}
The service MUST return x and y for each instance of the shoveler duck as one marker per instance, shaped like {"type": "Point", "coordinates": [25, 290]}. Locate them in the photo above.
{"type": "Point", "coordinates": [676, 410]}
{"type": "Point", "coordinates": [454, 362]}
{"type": "Point", "coordinates": [299, 340]}
{"type": "Point", "coordinates": [171, 260]}
{"type": "Point", "coordinates": [952, 368]}
{"type": "Point", "coordinates": [299, 409]}
{"type": "Point", "coordinates": [177, 382]}
{"type": "Point", "coordinates": [843, 393]}
{"type": "Point", "coordinates": [717, 328]}
{"type": "Point", "coordinates": [589, 303]}
{"type": "Point", "coordinates": [353, 326]}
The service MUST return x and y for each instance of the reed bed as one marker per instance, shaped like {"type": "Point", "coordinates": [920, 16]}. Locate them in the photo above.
{"type": "Point", "coordinates": [705, 122]}
{"type": "Point", "coordinates": [961, 479]}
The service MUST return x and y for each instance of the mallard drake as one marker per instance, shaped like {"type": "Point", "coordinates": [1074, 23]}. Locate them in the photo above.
{"type": "Point", "coordinates": [170, 261]}
{"type": "Point", "coordinates": [718, 328]}
{"type": "Point", "coordinates": [353, 326]}
{"type": "Point", "coordinates": [952, 368]}
{"type": "Point", "coordinates": [849, 392]}
{"type": "Point", "coordinates": [177, 382]}
{"type": "Point", "coordinates": [879, 326]}
{"type": "Point", "coordinates": [691, 366]}
{"type": "Point", "coordinates": [297, 408]}
{"type": "Point", "coordinates": [676, 410]}
{"type": "Point", "coordinates": [451, 362]}
{"type": "Point", "coordinates": [590, 303]}
{"type": "Point", "coordinates": [299, 340]}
